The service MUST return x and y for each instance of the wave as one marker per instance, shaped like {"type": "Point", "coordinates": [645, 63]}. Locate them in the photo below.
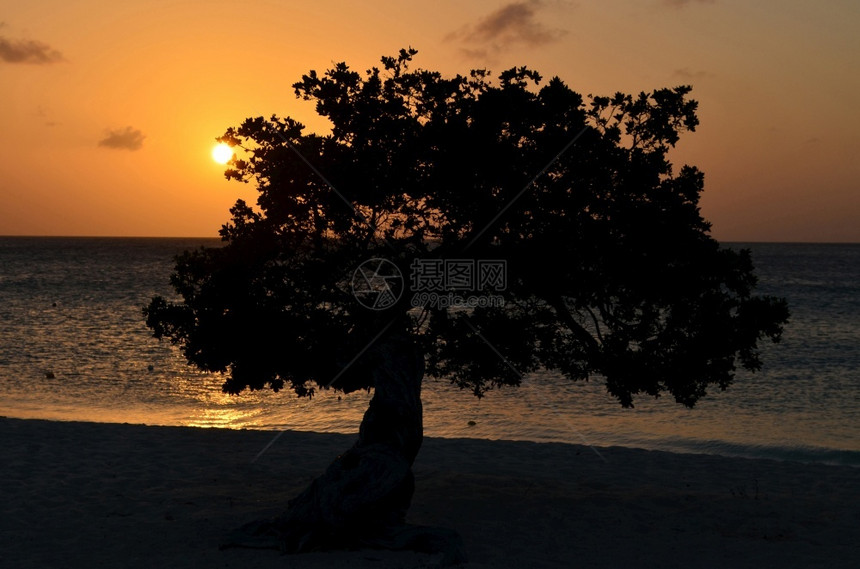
{"type": "Point", "coordinates": [799, 453]}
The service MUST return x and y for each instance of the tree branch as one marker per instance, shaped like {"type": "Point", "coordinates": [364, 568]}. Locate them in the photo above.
{"type": "Point", "coordinates": [568, 320]}
{"type": "Point", "coordinates": [596, 324]}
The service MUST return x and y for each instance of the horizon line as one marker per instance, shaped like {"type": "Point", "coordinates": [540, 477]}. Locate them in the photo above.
{"type": "Point", "coordinates": [34, 236]}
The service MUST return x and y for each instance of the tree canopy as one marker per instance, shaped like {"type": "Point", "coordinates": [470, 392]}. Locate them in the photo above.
{"type": "Point", "coordinates": [611, 270]}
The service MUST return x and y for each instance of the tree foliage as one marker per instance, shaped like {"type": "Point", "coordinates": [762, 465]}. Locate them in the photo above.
{"type": "Point", "coordinates": [611, 270]}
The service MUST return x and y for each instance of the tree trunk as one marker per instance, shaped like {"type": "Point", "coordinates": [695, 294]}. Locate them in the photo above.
{"type": "Point", "coordinates": [362, 498]}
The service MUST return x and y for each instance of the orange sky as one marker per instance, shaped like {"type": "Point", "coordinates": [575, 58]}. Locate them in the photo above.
{"type": "Point", "coordinates": [109, 110]}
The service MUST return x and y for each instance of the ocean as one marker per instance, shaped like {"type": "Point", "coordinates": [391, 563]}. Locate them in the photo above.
{"type": "Point", "coordinates": [73, 346]}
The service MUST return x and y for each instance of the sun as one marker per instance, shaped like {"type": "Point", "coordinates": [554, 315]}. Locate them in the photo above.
{"type": "Point", "coordinates": [222, 153]}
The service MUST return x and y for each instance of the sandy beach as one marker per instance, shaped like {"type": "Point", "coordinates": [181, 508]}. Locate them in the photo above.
{"type": "Point", "coordinates": [85, 495]}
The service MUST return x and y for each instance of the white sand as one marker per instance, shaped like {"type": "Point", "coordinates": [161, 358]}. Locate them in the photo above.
{"type": "Point", "coordinates": [79, 495]}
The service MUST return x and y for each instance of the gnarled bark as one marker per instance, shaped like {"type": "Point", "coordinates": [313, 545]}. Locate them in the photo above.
{"type": "Point", "coordinates": [362, 498]}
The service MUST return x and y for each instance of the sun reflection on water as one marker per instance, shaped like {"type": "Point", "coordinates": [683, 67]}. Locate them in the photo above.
{"type": "Point", "coordinates": [223, 417]}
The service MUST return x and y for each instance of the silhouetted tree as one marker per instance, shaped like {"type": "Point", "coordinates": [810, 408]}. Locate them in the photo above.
{"type": "Point", "coordinates": [611, 271]}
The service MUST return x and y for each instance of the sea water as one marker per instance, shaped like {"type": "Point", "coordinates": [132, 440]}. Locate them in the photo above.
{"type": "Point", "coordinates": [73, 346]}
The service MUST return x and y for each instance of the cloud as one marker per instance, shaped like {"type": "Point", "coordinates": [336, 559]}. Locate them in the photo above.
{"type": "Point", "coordinates": [28, 51]}
{"type": "Point", "coordinates": [688, 74]}
{"type": "Point", "coordinates": [684, 3]}
{"type": "Point", "coordinates": [123, 139]}
{"type": "Point", "coordinates": [513, 24]}
{"type": "Point", "coordinates": [43, 114]}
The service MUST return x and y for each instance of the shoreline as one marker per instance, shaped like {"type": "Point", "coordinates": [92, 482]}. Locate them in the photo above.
{"type": "Point", "coordinates": [86, 494]}
{"type": "Point", "coordinates": [802, 454]}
